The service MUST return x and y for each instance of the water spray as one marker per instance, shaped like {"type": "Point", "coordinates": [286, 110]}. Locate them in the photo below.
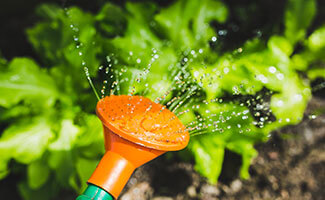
{"type": "Point", "coordinates": [136, 130]}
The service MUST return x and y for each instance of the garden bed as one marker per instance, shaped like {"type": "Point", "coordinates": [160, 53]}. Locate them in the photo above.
{"type": "Point", "coordinates": [291, 165]}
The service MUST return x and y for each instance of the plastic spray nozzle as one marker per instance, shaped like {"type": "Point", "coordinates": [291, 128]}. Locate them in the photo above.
{"type": "Point", "coordinates": [136, 130]}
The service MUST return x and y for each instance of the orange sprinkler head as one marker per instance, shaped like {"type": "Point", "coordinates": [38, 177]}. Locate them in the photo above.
{"type": "Point", "coordinates": [136, 130]}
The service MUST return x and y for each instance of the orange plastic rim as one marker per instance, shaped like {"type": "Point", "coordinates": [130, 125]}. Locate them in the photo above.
{"type": "Point", "coordinates": [142, 121]}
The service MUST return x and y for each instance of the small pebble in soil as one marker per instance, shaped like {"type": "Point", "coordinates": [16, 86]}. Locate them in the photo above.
{"type": "Point", "coordinates": [191, 191]}
{"type": "Point", "coordinates": [236, 185]}
{"type": "Point", "coordinates": [210, 190]}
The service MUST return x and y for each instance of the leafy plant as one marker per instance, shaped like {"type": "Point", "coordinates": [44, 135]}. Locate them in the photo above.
{"type": "Point", "coordinates": [49, 111]}
{"type": "Point", "coordinates": [236, 97]}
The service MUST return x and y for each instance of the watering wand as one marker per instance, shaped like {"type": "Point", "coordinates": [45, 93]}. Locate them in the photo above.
{"type": "Point", "coordinates": [136, 130]}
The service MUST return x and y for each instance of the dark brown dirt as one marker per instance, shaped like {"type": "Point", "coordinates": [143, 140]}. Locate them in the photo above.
{"type": "Point", "coordinates": [291, 165]}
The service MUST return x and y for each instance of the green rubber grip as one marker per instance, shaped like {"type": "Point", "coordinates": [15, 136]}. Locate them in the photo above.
{"type": "Point", "coordinates": [94, 192]}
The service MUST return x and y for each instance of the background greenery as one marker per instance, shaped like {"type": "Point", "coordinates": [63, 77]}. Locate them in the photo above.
{"type": "Point", "coordinates": [256, 64]}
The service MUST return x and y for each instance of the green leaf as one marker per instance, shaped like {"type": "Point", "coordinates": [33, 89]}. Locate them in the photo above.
{"type": "Point", "coordinates": [313, 54]}
{"type": "Point", "coordinates": [138, 37]}
{"type": "Point", "coordinates": [54, 34]}
{"type": "Point", "coordinates": [111, 20]}
{"type": "Point", "coordinates": [316, 41]}
{"type": "Point", "coordinates": [63, 164]}
{"type": "Point", "coordinates": [3, 62]}
{"type": "Point", "coordinates": [26, 140]}
{"type": "Point", "coordinates": [280, 46]}
{"type": "Point", "coordinates": [85, 167]}
{"type": "Point", "coordinates": [67, 136]}
{"type": "Point", "coordinates": [23, 80]}
{"type": "Point", "coordinates": [4, 171]}
{"type": "Point", "coordinates": [294, 96]}
{"type": "Point", "coordinates": [38, 173]}
{"type": "Point", "coordinates": [49, 11]}
{"type": "Point", "coordinates": [91, 139]}
{"type": "Point", "coordinates": [187, 23]}
{"type": "Point", "coordinates": [46, 192]}
{"type": "Point", "coordinates": [15, 112]}
{"type": "Point", "coordinates": [67, 37]}
{"type": "Point", "coordinates": [208, 154]}
{"type": "Point", "coordinates": [246, 149]}
{"type": "Point", "coordinates": [298, 16]}
{"type": "Point", "coordinates": [139, 51]}
{"type": "Point", "coordinates": [316, 73]}
{"type": "Point", "coordinates": [92, 131]}
{"type": "Point", "coordinates": [229, 126]}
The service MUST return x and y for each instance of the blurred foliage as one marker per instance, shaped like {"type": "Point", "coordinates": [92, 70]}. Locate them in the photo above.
{"type": "Point", "coordinates": [241, 95]}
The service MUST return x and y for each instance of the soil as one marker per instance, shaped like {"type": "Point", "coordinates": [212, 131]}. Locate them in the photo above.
{"type": "Point", "coordinates": [291, 165]}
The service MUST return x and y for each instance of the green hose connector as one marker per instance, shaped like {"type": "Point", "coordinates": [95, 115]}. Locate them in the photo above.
{"type": "Point", "coordinates": [94, 192]}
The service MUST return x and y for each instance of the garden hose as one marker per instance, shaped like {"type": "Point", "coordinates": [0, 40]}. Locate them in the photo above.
{"type": "Point", "coordinates": [95, 192]}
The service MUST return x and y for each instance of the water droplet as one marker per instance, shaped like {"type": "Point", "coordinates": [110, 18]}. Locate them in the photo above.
{"type": "Point", "coordinates": [272, 69]}
{"type": "Point", "coordinates": [226, 70]}
{"type": "Point", "coordinates": [279, 103]}
{"type": "Point", "coordinates": [280, 76]}
{"type": "Point", "coordinates": [312, 116]}
{"type": "Point", "coordinates": [244, 117]}
{"type": "Point", "coordinates": [222, 32]}
{"type": "Point", "coordinates": [262, 78]}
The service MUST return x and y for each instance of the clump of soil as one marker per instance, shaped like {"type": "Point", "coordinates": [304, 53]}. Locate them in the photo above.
{"type": "Point", "coordinates": [291, 165]}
